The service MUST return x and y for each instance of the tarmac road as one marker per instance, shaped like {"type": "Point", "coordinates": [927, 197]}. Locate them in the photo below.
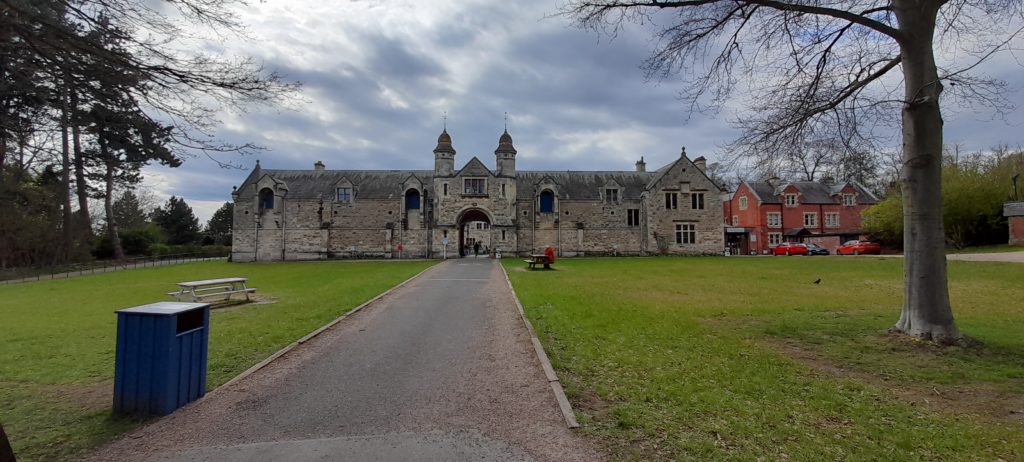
{"type": "Point", "coordinates": [440, 369]}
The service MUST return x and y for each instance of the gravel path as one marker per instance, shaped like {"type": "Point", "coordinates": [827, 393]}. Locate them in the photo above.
{"type": "Point", "coordinates": [1012, 257]}
{"type": "Point", "coordinates": [440, 369]}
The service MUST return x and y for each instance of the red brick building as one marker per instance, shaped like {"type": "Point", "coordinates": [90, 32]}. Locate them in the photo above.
{"type": "Point", "coordinates": [1014, 213]}
{"type": "Point", "coordinates": [760, 215]}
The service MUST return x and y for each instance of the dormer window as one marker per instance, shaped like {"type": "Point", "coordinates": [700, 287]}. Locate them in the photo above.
{"type": "Point", "coordinates": [343, 194]}
{"type": "Point", "coordinates": [611, 195]}
{"type": "Point", "coordinates": [266, 199]}
{"type": "Point", "coordinates": [790, 200]}
{"type": "Point", "coordinates": [849, 200]}
{"type": "Point", "coordinates": [547, 201]}
{"type": "Point", "coordinates": [475, 187]}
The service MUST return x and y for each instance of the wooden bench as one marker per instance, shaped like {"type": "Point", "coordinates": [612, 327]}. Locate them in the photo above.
{"type": "Point", "coordinates": [540, 259]}
{"type": "Point", "coordinates": [195, 291]}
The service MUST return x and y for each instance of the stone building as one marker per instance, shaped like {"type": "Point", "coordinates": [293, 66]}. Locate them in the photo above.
{"type": "Point", "coordinates": [321, 213]}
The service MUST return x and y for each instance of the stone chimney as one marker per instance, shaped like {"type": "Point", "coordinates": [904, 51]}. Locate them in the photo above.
{"type": "Point", "coordinates": [701, 163]}
{"type": "Point", "coordinates": [319, 166]}
{"type": "Point", "coordinates": [641, 166]}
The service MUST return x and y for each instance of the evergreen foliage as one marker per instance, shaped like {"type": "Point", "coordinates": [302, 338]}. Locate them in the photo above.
{"type": "Point", "coordinates": [177, 221]}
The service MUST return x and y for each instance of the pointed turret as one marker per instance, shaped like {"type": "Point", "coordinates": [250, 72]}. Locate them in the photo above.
{"type": "Point", "coordinates": [505, 156]}
{"type": "Point", "coordinates": [444, 155]}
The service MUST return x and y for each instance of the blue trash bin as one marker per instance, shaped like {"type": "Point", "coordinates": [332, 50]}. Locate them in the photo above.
{"type": "Point", "coordinates": [161, 357]}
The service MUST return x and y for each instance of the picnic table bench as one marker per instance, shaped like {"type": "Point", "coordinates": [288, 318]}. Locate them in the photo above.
{"type": "Point", "coordinates": [538, 259]}
{"type": "Point", "coordinates": [194, 291]}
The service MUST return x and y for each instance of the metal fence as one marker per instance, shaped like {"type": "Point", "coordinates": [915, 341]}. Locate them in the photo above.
{"type": "Point", "coordinates": [95, 267]}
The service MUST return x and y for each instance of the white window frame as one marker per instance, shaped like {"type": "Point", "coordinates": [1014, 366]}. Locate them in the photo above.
{"type": "Point", "coordinates": [777, 222]}
{"type": "Point", "coordinates": [611, 195]}
{"type": "Point", "coordinates": [743, 202]}
{"type": "Point", "coordinates": [831, 219]}
{"type": "Point", "coordinates": [686, 233]}
{"type": "Point", "coordinates": [774, 239]}
{"type": "Point", "coordinates": [697, 199]}
{"type": "Point", "coordinates": [632, 218]}
{"type": "Point", "coordinates": [735, 220]}
{"type": "Point", "coordinates": [791, 200]}
{"type": "Point", "coordinates": [467, 192]}
{"type": "Point", "coordinates": [849, 200]}
{"type": "Point", "coordinates": [813, 223]}
{"type": "Point", "coordinates": [338, 196]}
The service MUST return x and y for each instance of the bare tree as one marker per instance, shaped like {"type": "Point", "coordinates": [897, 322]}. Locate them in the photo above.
{"type": "Point", "coordinates": [832, 69]}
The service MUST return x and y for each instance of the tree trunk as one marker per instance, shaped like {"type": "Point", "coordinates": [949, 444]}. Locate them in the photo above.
{"type": "Point", "coordinates": [108, 203]}
{"type": "Point", "coordinates": [108, 199]}
{"type": "Point", "coordinates": [81, 186]}
{"type": "Point", "coordinates": [66, 217]}
{"type": "Point", "coordinates": [6, 453]}
{"type": "Point", "coordinates": [926, 310]}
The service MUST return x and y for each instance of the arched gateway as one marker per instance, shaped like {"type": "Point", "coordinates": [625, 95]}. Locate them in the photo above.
{"type": "Point", "coordinates": [474, 226]}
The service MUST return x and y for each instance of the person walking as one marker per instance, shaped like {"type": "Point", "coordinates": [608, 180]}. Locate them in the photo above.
{"type": "Point", "coordinates": [476, 249]}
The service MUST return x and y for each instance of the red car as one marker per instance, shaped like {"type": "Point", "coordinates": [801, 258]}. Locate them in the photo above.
{"type": "Point", "coordinates": [790, 248]}
{"type": "Point", "coordinates": [859, 248]}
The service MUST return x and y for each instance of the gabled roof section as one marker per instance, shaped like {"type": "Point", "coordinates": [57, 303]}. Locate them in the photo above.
{"type": "Point", "coordinates": [811, 192]}
{"type": "Point", "coordinates": [368, 184]}
{"type": "Point", "coordinates": [575, 185]}
{"type": "Point", "coordinates": [763, 191]}
{"type": "Point", "coordinates": [864, 195]}
{"type": "Point", "coordinates": [474, 168]}
{"type": "Point", "coordinates": [661, 172]}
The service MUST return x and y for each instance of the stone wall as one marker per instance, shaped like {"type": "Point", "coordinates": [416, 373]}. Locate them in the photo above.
{"type": "Point", "coordinates": [309, 229]}
{"type": "Point", "coordinates": [684, 180]}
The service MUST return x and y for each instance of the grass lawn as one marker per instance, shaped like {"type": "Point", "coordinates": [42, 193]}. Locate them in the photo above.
{"type": "Point", "coordinates": [57, 338]}
{"type": "Point", "coordinates": [746, 359]}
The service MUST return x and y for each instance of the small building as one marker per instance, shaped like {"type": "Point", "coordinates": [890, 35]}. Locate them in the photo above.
{"type": "Point", "coordinates": [323, 213]}
{"type": "Point", "coordinates": [760, 215]}
{"type": "Point", "coordinates": [1014, 213]}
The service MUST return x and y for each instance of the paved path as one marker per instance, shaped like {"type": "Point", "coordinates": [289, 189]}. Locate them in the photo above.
{"type": "Point", "coordinates": [440, 369]}
{"type": "Point", "coordinates": [1009, 257]}
{"type": "Point", "coordinates": [1012, 257]}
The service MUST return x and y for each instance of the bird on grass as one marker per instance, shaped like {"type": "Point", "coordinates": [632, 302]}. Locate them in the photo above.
{"type": "Point", "coordinates": [818, 281]}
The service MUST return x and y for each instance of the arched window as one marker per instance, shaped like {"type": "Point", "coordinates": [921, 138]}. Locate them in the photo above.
{"type": "Point", "coordinates": [412, 199]}
{"type": "Point", "coordinates": [547, 201]}
{"type": "Point", "coordinates": [266, 199]}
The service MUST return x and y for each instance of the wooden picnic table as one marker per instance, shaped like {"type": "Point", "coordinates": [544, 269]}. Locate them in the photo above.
{"type": "Point", "coordinates": [194, 291]}
{"type": "Point", "coordinates": [538, 259]}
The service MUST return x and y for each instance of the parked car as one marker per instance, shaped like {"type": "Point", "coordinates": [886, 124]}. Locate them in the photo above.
{"type": "Point", "coordinates": [815, 249]}
{"type": "Point", "coordinates": [859, 248]}
{"type": "Point", "coordinates": [790, 248]}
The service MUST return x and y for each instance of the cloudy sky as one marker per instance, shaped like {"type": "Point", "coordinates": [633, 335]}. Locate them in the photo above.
{"type": "Point", "coordinates": [377, 76]}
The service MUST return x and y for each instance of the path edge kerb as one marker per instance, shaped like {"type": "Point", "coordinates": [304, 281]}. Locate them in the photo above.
{"type": "Point", "coordinates": [545, 363]}
{"type": "Point", "coordinates": [269, 359]}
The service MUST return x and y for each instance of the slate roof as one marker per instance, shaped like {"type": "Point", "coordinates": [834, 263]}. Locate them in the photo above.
{"type": "Point", "coordinates": [369, 184]}
{"type": "Point", "coordinates": [577, 185]}
{"type": "Point", "coordinates": [764, 192]}
{"type": "Point", "coordinates": [812, 192]}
